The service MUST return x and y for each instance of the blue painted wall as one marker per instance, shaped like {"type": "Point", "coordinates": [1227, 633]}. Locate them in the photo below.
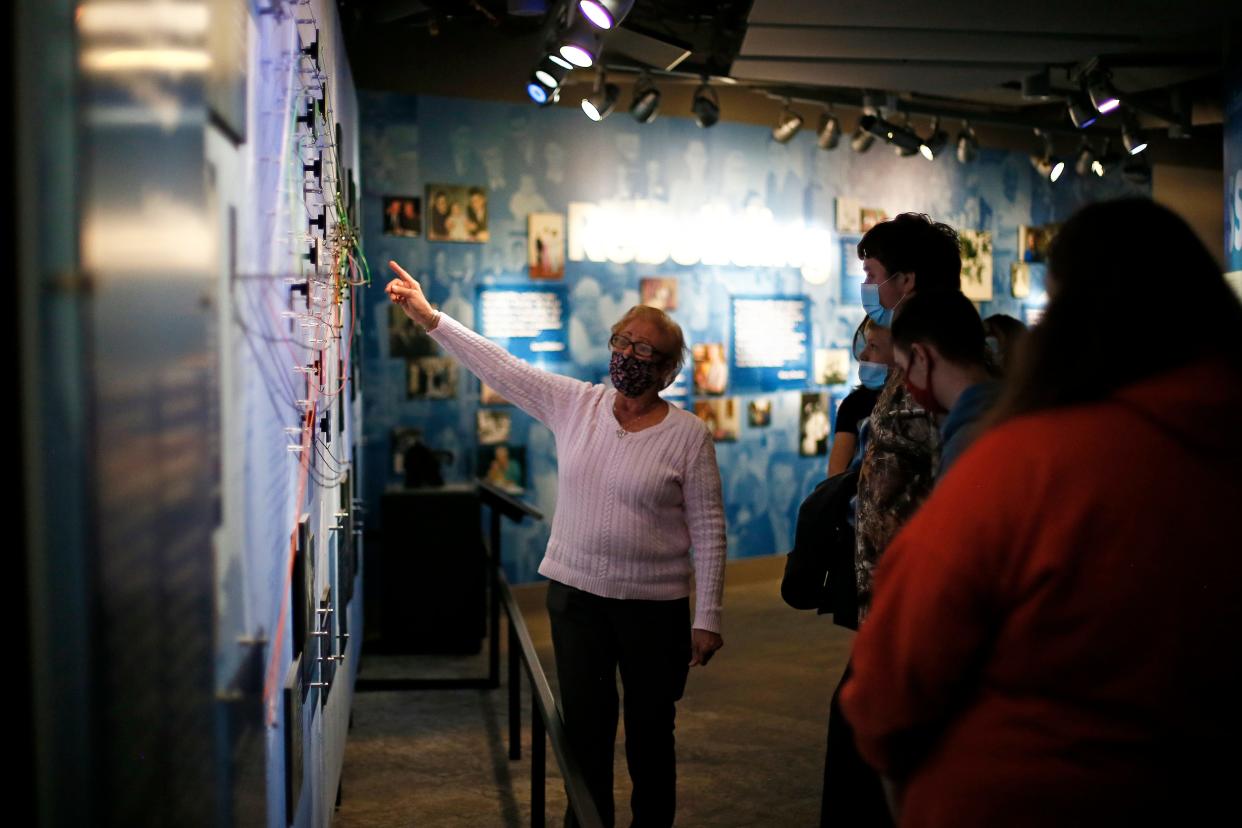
{"type": "Point", "coordinates": [1233, 160]}
{"type": "Point", "coordinates": [540, 160]}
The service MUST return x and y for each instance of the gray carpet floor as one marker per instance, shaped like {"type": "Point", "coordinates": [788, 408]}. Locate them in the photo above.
{"type": "Point", "coordinates": [750, 729]}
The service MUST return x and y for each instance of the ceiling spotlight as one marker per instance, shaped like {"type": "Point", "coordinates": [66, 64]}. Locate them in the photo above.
{"type": "Point", "coordinates": [551, 72]}
{"type": "Point", "coordinates": [602, 100]}
{"type": "Point", "coordinates": [1130, 135]}
{"type": "Point", "coordinates": [605, 14]}
{"type": "Point", "coordinates": [901, 137]}
{"type": "Point", "coordinates": [787, 126]}
{"type": "Point", "coordinates": [1086, 160]}
{"type": "Point", "coordinates": [1107, 161]}
{"type": "Point", "coordinates": [560, 61]}
{"type": "Point", "coordinates": [1048, 164]}
{"type": "Point", "coordinates": [1100, 90]}
{"type": "Point", "coordinates": [1081, 113]}
{"type": "Point", "coordinates": [706, 106]}
{"type": "Point", "coordinates": [935, 142]}
{"type": "Point", "coordinates": [967, 143]}
{"type": "Point", "coordinates": [579, 44]}
{"type": "Point", "coordinates": [862, 139]}
{"type": "Point", "coordinates": [538, 92]}
{"type": "Point", "coordinates": [829, 133]}
{"type": "Point", "coordinates": [646, 101]}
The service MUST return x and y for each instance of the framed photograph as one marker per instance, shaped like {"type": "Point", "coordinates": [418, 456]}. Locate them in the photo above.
{"type": "Point", "coordinates": [849, 216]}
{"type": "Point", "coordinates": [545, 245]}
{"type": "Point", "coordinates": [711, 368]}
{"type": "Point", "coordinates": [433, 378]}
{"type": "Point", "coordinates": [504, 466]}
{"type": "Point", "coordinates": [852, 275]}
{"type": "Point", "coordinates": [814, 425]}
{"type": "Point", "coordinates": [976, 264]}
{"type": "Point", "coordinates": [722, 417]}
{"type": "Point", "coordinates": [403, 216]}
{"type": "Point", "coordinates": [761, 413]}
{"type": "Point", "coordinates": [869, 217]}
{"type": "Point", "coordinates": [456, 213]}
{"type": "Point", "coordinates": [832, 366]}
{"type": "Point", "coordinates": [490, 396]}
{"type": "Point", "coordinates": [493, 426]}
{"type": "Point", "coordinates": [407, 339]}
{"type": "Point", "coordinates": [294, 757]}
{"type": "Point", "coordinates": [1033, 241]}
{"type": "Point", "coordinates": [1020, 280]}
{"type": "Point", "coordinates": [659, 293]}
{"type": "Point", "coordinates": [402, 440]}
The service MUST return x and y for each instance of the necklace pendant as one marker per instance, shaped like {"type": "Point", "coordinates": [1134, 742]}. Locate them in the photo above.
{"type": "Point", "coordinates": [621, 432]}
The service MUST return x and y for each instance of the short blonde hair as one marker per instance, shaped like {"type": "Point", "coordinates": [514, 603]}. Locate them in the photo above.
{"type": "Point", "coordinates": [676, 359]}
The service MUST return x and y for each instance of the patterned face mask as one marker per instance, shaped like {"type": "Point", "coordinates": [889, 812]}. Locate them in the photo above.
{"type": "Point", "coordinates": [632, 376]}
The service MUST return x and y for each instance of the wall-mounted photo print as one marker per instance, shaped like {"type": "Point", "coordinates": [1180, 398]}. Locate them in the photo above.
{"type": "Point", "coordinates": [849, 215]}
{"type": "Point", "coordinates": [761, 413]}
{"type": "Point", "coordinates": [814, 425]}
{"type": "Point", "coordinates": [1020, 279]}
{"type": "Point", "coordinates": [722, 417]}
{"type": "Point", "coordinates": [504, 466]}
{"type": "Point", "coordinates": [458, 214]}
{"type": "Point", "coordinates": [545, 245]}
{"type": "Point", "coordinates": [403, 216]}
{"type": "Point", "coordinates": [490, 396]}
{"type": "Point", "coordinates": [1033, 241]}
{"type": "Point", "coordinates": [407, 339]}
{"type": "Point", "coordinates": [711, 368]}
{"type": "Point", "coordinates": [832, 366]}
{"type": "Point", "coordinates": [659, 293]}
{"type": "Point", "coordinates": [493, 426]}
{"type": "Point", "coordinates": [976, 264]}
{"type": "Point", "coordinates": [869, 217]}
{"type": "Point", "coordinates": [432, 378]}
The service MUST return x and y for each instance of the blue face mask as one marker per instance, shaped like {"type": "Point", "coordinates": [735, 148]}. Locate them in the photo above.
{"type": "Point", "coordinates": [879, 314]}
{"type": "Point", "coordinates": [872, 375]}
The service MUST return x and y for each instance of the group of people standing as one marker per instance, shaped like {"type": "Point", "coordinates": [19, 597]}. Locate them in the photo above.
{"type": "Point", "coordinates": [1047, 590]}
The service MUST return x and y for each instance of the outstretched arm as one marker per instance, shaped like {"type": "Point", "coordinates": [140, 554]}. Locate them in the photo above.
{"type": "Point", "coordinates": [543, 395]}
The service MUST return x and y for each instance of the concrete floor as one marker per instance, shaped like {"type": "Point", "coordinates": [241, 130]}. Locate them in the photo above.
{"type": "Point", "coordinates": [750, 729]}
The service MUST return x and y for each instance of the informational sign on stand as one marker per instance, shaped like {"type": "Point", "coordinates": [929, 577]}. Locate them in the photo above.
{"type": "Point", "coordinates": [527, 320]}
{"type": "Point", "coordinates": [771, 342]}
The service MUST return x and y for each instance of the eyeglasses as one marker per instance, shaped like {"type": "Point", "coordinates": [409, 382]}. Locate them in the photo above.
{"type": "Point", "coordinates": [619, 342]}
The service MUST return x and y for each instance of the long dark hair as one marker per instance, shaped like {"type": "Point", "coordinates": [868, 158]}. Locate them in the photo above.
{"type": "Point", "coordinates": [1120, 275]}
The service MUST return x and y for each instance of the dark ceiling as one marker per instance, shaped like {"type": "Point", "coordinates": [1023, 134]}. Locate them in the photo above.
{"type": "Point", "coordinates": [953, 58]}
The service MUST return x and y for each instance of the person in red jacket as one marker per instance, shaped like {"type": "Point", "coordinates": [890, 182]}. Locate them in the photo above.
{"type": "Point", "coordinates": [1054, 636]}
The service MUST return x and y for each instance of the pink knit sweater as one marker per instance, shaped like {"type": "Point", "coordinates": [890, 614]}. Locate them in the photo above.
{"type": "Point", "coordinates": [629, 507]}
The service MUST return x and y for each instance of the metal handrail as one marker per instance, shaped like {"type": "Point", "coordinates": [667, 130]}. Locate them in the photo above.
{"type": "Point", "coordinates": [545, 713]}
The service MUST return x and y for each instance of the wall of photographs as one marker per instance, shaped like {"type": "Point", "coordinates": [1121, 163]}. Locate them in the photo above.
{"type": "Point", "coordinates": [732, 233]}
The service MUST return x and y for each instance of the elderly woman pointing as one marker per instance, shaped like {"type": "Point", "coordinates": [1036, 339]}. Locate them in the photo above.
{"type": "Point", "coordinates": [638, 489]}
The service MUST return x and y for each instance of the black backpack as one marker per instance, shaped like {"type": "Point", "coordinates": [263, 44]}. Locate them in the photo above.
{"type": "Point", "coordinates": [819, 572]}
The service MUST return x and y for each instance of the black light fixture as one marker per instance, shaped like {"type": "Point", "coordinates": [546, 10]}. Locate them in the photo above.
{"type": "Point", "coordinates": [580, 44]}
{"type": "Point", "coordinates": [541, 94]}
{"type": "Point", "coordinates": [605, 14]}
{"type": "Point", "coordinates": [1048, 164]}
{"type": "Point", "coordinates": [967, 143]}
{"type": "Point", "coordinates": [1085, 162]}
{"type": "Point", "coordinates": [551, 72]}
{"type": "Point", "coordinates": [646, 102]}
{"type": "Point", "coordinates": [901, 137]}
{"type": "Point", "coordinates": [1100, 89]}
{"type": "Point", "coordinates": [602, 100]}
{"type": "Point", "coordinates": [829, 133]}
{"type": "Point", "coordinates": [935, 142]}
{"type": "Point", "coordinates": [787, 125]}
{"type": "Point", "coordinates": [1107, 161]}
{"type": "Point", "coordinates": [1130, 135]}
{"type": "Point", "coordinates": [862, 139]}
{"type": "Point", "coordinates": [705, 106]}
{"type": "Point", "coordinates": [1081, 112]}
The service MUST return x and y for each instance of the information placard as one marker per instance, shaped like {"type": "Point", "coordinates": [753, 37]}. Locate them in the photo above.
{"type": "Point", "coordinates": [771, 338]}
{"type": "Point", "coordinates": [527, 320]}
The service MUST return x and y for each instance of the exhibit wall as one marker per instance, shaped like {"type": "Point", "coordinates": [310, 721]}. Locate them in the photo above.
{"type": "Point", "coordinates": [1233, 162]}
{"type": "Point", "coordinates": [750, 243]}
{"type": "Point", "coordinates": [281, 155]}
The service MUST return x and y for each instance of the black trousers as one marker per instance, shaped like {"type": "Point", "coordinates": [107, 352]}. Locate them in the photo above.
{"type": "Point", "coordinates": [649, 641]}
{"type": "Point", "coordinates": [853, 793]}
